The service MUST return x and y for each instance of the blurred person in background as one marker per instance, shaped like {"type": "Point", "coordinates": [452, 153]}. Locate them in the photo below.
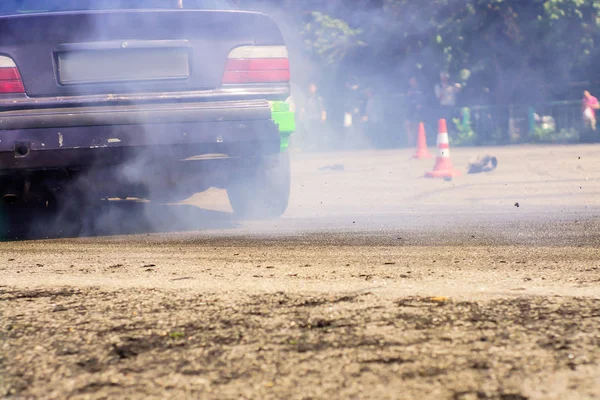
{"type": "Point", "coordinates": [352, 107]}
{"type": "Point", "coordinates": [589, 106]}
{"type": "Point", "coordinates": [313, 116]}
{"type": "Point", "coordinates": [372, 118]}
{"type": "Point", "coordinates": [415, 104]}
{"type": "Point", "coordinates": [446, 93]}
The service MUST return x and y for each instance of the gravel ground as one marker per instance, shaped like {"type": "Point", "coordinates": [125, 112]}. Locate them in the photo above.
{"type": "Point", "coordinates": [145, 343]}
{"type": "Point", "coordinates": [376, 284]}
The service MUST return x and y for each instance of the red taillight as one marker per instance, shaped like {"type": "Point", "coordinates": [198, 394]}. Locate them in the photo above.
{"type": "Point", "coordinates": [257, 76]}
{"type": "Point", "coordinates": [9, 74]}
{"type": "Point", "coordinates": [257, 64]}
{"type": "Point", "coordinates": [11, 87]}
{"type": "Point", "coordinates": [10, 79]}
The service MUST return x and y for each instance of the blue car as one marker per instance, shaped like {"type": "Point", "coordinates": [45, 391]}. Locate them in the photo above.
{"type": "Point", "coordinates": [153, 99]}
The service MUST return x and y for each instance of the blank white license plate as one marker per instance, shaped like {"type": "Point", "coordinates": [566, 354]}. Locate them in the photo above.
{"type": "Point", "coordinates": [122, 65]}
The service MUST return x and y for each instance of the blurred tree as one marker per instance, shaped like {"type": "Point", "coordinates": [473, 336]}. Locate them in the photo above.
{"type": "Point", "coordinates": [330, 39]}
{"type": "Point", "coordinates": [514, 46]}
{"type": "Point", "coordinates": [507, 48]}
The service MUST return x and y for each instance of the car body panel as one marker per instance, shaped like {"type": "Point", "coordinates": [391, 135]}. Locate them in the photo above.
{"type": "Point", "coordinates": [36, 41]}
{"type": "Point", "coordinates": [34, 139]}
{"type": "Point", "coordinates": [87, 111]}
{"type": "Point", "coordinates": [224, 93]}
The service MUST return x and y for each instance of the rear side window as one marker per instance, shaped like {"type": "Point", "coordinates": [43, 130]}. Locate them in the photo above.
{"type": "Point", "coordinates": [15, 7]}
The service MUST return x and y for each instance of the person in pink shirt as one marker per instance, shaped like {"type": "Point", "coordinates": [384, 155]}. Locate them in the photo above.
{"type": "Point", "coordinates": [590, 105]}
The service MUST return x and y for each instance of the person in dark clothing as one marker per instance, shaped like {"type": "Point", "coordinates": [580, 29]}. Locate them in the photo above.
{"type": "Point", "coordinates": [415, 100]}
{"type": "Point", "coordinates": [352, 112]}
{"type": "Point", "coordinates": [372, 118]}
{"type": "Point", "coordinates": [313, 116]}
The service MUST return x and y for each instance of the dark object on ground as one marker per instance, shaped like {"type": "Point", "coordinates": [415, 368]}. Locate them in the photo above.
{"type": "Point", "coordinates": [334, 167]}
{"type": "Point", "coordinates": [483, 164]}
{"type": "Point", "coordinates": [517, 205]}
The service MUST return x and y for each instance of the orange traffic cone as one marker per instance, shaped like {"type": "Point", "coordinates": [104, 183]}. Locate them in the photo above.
{"type": "Point", "coordinates": [443, 165]}
{"type": "Point", "coordinates": [422, 151]}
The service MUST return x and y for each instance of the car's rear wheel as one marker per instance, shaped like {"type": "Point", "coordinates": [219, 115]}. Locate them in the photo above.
{"type": "Point", "coordinates": [5, 221]}
{"type": "Point", "coordinates": [33, 215]}
{"type": "Point", "coordinates": [261, 193]}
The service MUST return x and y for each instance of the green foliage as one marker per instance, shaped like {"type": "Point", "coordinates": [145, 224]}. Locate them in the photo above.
{"type": "Point", "coordinates": [495, 45]}
{"type": "Point", "coordinates": [549, 135]}
{"type": "Point", "coordinates": [466, 135]}
{"type": "Point", "coordinates": [330, 39]}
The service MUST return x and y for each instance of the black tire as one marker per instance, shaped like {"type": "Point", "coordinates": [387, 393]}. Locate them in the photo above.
{"type": "Point", "coordinates": [31, 218]}
{"type": "Point", "coordinates": [262, 193]}
{"type": "Point", "coordinates": [6, 227]}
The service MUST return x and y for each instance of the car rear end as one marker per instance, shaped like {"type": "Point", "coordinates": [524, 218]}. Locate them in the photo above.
{"type": "Point", "coordinates": [89, 92]}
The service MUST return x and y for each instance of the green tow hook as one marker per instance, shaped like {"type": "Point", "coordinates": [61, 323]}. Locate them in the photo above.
{"type": "Point", "coordinates": [285, 120]}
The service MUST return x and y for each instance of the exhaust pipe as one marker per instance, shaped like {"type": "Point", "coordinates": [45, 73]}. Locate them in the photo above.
{"type": "Point", "coordinates": [9, 198]}
{"type": "Point", "coordinates": [16, 190]}
{"type": "Point", "coordinates": [22, 149]}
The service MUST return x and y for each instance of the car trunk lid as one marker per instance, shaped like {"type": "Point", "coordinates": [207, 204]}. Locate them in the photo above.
{"type": "Point", "coordinates": [128, 51]}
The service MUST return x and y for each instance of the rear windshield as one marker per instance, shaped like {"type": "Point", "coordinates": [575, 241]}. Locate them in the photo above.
{"type": "Point", "coordinates": [12, 7]}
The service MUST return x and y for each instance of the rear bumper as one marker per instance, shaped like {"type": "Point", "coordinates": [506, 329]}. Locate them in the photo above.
{"type": "Point", "coordinates": [78, 137]}
{"type": "Point", "coordinates": [223, 94]}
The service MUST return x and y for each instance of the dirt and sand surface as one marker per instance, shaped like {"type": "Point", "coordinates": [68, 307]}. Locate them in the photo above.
{"type": "Point", "coordinates": [377, 283]}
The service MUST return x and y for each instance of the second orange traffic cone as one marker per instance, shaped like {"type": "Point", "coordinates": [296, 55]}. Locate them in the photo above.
{"type": "Point", "coordinates": [443, 165]}
{"type": "Point", "coordinates": [422, 151]}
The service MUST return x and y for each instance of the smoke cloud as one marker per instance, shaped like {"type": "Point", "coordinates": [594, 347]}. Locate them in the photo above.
{"type": "Point", "coordinates": [494, 58]}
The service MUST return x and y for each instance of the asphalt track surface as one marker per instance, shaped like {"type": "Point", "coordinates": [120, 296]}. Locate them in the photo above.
{"type": "Point", "coordinates": [377, 283]}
